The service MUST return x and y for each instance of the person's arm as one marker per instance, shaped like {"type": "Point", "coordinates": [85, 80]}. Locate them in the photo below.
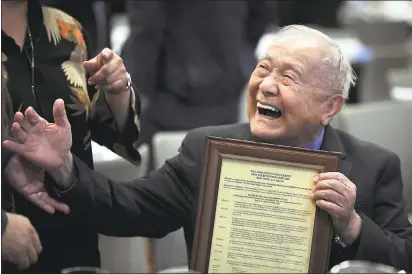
{"type": "Point", "coordinates": [152, 206]}
{"type": "Point", "coordinates": [142, 49]}
{"type": "Point", "coordinates": [386, 237]}
{"type": "Point", "coordinates": [114, 118]}
{"type": "Point", "coordinates": [115, 126]}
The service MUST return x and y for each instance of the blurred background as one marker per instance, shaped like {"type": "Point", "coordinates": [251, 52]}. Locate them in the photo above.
{"type": "Point", "coordinates": [177, 51]}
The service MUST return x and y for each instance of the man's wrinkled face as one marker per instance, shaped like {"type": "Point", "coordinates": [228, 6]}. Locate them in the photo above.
{"type": "Point", "coordinates": [284, 103]}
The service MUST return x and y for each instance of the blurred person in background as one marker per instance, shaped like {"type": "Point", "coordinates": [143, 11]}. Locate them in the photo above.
{"type": "Point", "coordinates": [322, 13]}
{"type": "Point", "coordinates": [44, 52]}
{"type": "Point", "coordinates": [192, 59]}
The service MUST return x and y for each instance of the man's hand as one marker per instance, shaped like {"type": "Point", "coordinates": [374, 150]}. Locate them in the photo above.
{"type": "Point", "coordinates": [108, 72]}
{"type": "Point", "coordinates": [336, 194]}
{"type": "Point", "coordinates": [28, 180]}
{"type": "Point", "coordinates": [45, 145]}
{"type": "Point", "coordinates": [20, 243]}
{"type": "Point", "coordinates": [109, 75]}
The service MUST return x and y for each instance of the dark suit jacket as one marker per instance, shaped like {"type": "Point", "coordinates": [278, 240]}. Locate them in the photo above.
{"type": "Point", "coordinates": [167, 199]}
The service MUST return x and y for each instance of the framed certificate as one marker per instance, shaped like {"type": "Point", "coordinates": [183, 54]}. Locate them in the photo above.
{"type": "Point", "coordinates": [255, 211]}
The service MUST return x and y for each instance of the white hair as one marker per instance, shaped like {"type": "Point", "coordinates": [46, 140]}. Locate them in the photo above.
{"type": "Point", "coordinates": [338, 74]}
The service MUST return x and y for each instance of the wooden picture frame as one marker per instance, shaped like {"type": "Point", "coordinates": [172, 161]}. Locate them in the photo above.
{"type": "Point", "coordinates": [219, 149]}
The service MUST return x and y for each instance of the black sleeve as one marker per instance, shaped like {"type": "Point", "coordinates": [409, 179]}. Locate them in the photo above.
{"type": "Point", "coordinates": [386, 237]}
{"type": "Point", "coordinates": [152, 206]}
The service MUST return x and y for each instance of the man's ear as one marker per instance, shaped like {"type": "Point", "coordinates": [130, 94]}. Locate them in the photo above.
{"type": "Point", "coordinates": [331, 107]}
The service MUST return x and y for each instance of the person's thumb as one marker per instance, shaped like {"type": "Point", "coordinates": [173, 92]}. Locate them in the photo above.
{"type": "Point", "coordinates": [59, 114]}
{"type": "Point", "coordinates": [92, 65]}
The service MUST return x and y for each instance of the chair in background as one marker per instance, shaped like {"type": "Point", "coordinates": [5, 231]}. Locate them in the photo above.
{"type": "Point", "coordinates": [166, 146]}
{"type": "Point", "coordinates": [387, 124]}
{"type": "Point", "coordinates": [144, 151]}
{"type": "Point", "coordinates": [169, 251]}
{"type": "Point", "coordinates": [117, 168]}
{"type": "Point", "coordinates": [121, 255]}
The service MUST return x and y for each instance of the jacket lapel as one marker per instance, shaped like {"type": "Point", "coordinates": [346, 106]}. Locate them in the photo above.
{"type": "Point", "coordinates": [332, 142]}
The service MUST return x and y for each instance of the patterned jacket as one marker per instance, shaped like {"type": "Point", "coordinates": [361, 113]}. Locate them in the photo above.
{"type": "Point", "coordinates": [60, 47]}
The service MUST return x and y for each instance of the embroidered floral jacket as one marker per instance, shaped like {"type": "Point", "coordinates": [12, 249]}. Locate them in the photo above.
{"type": "Point", "coordinates": [60, 47]}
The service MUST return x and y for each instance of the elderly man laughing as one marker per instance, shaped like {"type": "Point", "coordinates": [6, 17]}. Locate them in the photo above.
{"type": "Point", "coordinates": [294, 92]}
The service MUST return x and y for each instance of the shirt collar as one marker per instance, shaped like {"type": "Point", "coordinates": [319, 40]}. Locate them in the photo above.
{"type": "Point", "coordinates": [318, 142]}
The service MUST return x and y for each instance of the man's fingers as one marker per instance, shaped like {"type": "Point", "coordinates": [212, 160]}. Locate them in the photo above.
{"type": "Point", "coordinates": [101, 76]}
{"type": "Point", "coordinates": [335, 176]}
{"type": "Point", "coordinates": [332, 209]}
{"type": "Point", "coordinates": [36, 242]}
{"type": "Point", "coordinates": [22, 120]}
{"type": "Point", "coordinates": [23, 262]}
{"type": "Point", "coordinates": [116, 75]}
{"type": "Point", "coordinates": [330, 175]}
{"type": "Point", "coordinates": [33, 194]}
{"type": "Point", "coordinates": [101, 66]}
{"type": "Point", "coordinates": [59, 114]}
{"type": "Point", "coordinates": [55, 204]}
{"type": "Point", "coordinates": [39, 202]}
{"type": "Point", "coordinates": [32, 116]}
{"type": "Point", "coordinates": [106, 54]}
{"type": "Point", "coordinates": [24, 123]}
{"type": "Point", "coordinates": [48, 204]}
{"type": "Point", "coordinates": [18, 116]}
{"type": "Point", "coordinates": [37, 194]}
{"type": "Point", "coordinates": [330, 196]}
{"type": "Point", "coordinates": [91, 65]}
{"type": "Point", "coordinates": [14, 147]}
{"type": "Point", "coordinates": [332, 184]}
{"type": "Point", "coordinates": [32, 254]}
{"type": "Point", "coordinates": [94, 64]}
{"type": "Point", "coordinates": [18, 133]}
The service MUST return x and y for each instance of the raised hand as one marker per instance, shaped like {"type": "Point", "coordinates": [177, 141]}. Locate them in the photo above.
{"type": "Point", "coordinates": [108, 72]}
{"type": "Point", "coordinates": [45, 145]}
{"type": "Point", "coordinates": [25, 177]}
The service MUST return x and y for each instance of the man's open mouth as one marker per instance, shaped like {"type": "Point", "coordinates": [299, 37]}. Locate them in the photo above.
{"type": "Point", "coordinates": [268, 111]}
